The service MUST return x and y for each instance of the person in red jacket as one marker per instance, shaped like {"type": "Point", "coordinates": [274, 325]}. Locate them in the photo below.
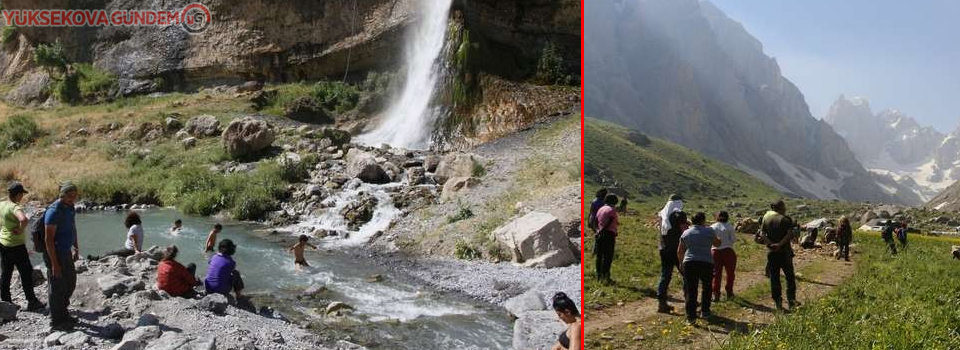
{"type": "Point", "coordinates": [173, 277]}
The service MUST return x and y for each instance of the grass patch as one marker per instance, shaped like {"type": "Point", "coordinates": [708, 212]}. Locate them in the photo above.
{"type": "Point", "coordinates": [902, 302]}
{"type": "Point", "coordinates": [95, 84]}
{"type": "Point", "coordinates": [7, 34]}
{"type": "Point", "coordinates": [17, 132]}
{"type": "Point", "coordinates": [334, 96]}
{"type": "Point", "coordinates": [464, 251]}
{"type": "Point", "coordinates": [463, 212]}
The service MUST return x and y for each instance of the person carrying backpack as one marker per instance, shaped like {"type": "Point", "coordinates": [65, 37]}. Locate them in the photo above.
{"type": "Point", "coordinates": [887, 236]}
{"type": "Point", "coordinates": [902, 235]}
{"type": "Point", "coordinates": [608, 221]}
{"type": "Point", "coordinates": [13, 250]}
{"type": "Point", "coordinates": [62, 250]}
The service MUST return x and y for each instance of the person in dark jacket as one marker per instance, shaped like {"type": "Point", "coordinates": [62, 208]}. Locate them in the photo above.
{"type": "Point", "coordinates": [887, 236]}
{"type": "Point", "coordinates": [778, 232]}
{"type": "Point", "coordinates": [844, 237]}
{"type": "Point", "coordinates": [669, 244]}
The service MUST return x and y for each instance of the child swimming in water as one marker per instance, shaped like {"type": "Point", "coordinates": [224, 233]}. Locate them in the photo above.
{"type": "Point", "coordinates": [177, 225]}
{"type": "Point", "coordinates": [298, 249]}
{"type": "Point", "coordinates": [212, 237]}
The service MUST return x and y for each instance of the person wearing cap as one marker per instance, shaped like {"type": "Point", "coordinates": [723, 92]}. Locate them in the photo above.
{"type": "Point", "coordinates": [222, 275]}
{"type": "Point", "coordinates": [13, 249]}
{"type": "Point", "coordinates": [62, 250]}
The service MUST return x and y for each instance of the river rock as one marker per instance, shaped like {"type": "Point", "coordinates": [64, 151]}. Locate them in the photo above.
{"type": "Point", "coordinates": [130, 345]}
{"type": "Point", "coordinates": [216, 303]}
{"type": "Point", "coordinates": [148, 320]}
{"type": "Point", "coordinates": [431, 162]}
{"type": "Point", "coordinates": [177, 341]}
{"type": "Point", "coordinates": [8, 311]}
{"type": "Point", "coordinates": [75, 339]}
{"type": "Point", "coordinates": [457, 184]}
{"type": "Point", "coordinates": [528, 301]}
{"type": "Point", "coordinates": [203, 126]}
{"type": "Point", "coordinates": [536, 240]}
{"type": "Point", "coordinates": [360, 211]}
{"type": "Point", "coordinates": [363, 165]}
{"type": "Point", "coordinates": [112, 330]}
{"type": "Point", "coordinates": [416, 175]}
{"type": "Point", "coordinates": [53, 339]}
{"type": "Point", "coordinates": [247, 136]}
{"type": "Point", "coordinates": [337, 306]}
{"type": "Point", "coordinates": [314, 290]}
{"type": "Point", "coordinates": [536, 330]}
{"type": "Point", "coordinates": [456, 165]}
{"type": "Point", "coordinates": [142, 334]}
{"type": "Point", "coordinates": [119, 284]}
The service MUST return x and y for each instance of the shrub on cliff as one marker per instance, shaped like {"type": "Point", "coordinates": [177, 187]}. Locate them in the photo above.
{"type": "Point", "coordinates": [550, 68]}
{"type": "Point", "coordinates": [17, 132]}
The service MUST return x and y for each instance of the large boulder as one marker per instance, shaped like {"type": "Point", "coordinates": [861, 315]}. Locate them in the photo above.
{"type": "Point", "coordinates": [536, 240]}
{"type": "Point", "coordinates": [457, 165]}
{"type": "Point", "coordinates": [308, 110]}
{"type": "Point", "coordinates": [178, 341]}
{"type": "Point", "coordinates": [216, 303]}
{"type": "Point", "coordinates": [247, 136]}
{"type": "Point", "coordinates": [360, 211]}
{"type": "Point", "coordinates": [143, 334]}
{"type": "Point", "coordinates": [32, 89]}
{"type": "Point", "coordinates": [416, 175]}
{"type": "Point", "coordinates": [203, 126]}
{"type": "Point", "coordinates": [531, 300]}
{"type": "Point", "coordinates": [536, 330]}
{"type": "Point", "coordinates": [119, 284]}
{"type": "Point", "coordinates": [458, 184]}
{"type": "Point", "coordinates": [363, 165]}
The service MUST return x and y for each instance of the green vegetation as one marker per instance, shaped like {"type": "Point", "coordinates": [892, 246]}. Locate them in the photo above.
{"type": "Point", "coordinates": [334, 96]}
{"type": "Point", "coordinates": [902, 302]}
{"type": "Point", "coordinates": [478, 169]}
{"type": "Point", "coordinates": [50, 56]}
{"type": "Point", "coordinates": [550, 68]}
{"type": "Point", "coordinates": [17, 132]}
{"type": "Point", "coordinates": [7, 34]}
{"type": "Point", "coordinates": [463, 212]}
{"type": "Point", "coordinates": [94, 84]}
{"type": "Point", "coordinates": [464, 251]}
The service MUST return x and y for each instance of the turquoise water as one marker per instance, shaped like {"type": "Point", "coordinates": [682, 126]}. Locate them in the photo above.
{"type": "Point", "coordinates": [401, 313]}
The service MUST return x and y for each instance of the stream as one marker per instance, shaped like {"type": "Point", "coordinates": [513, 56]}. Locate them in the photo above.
{"type": "Point", "coordinates": [397, 313]}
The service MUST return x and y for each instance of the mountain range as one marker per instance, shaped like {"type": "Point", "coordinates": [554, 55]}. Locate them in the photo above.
{"type": "Point", "coordinates": [892, 143]}
{"type": "Point", "coordinates": [684, 71]}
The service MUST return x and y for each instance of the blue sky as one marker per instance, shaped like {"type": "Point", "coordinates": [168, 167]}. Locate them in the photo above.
{"type": "Point", "coordinates": [898, 54]}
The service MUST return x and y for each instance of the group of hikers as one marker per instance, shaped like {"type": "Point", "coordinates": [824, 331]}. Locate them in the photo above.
{"type": "Point", "coordinates": [702, 253]}
{"type": "Point", "coordinates": [54, 235]}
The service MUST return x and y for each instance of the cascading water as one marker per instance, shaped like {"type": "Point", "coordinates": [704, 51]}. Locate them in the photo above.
{"type": "Point", "coordinates": [408, 121]}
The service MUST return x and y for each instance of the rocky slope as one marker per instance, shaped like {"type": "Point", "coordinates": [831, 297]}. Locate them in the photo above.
{"type": "Point", "coordinates": [684, 71]}
{"type": "Point", "coordinates": [892, 143]}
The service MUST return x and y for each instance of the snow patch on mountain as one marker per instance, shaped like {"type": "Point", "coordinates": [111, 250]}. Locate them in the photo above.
{"type": "Point", "coordinates": [810, 180]}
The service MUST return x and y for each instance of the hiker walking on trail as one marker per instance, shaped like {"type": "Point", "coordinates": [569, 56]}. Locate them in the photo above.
{"type": "Point", "coordinates": [663, 216]}
{"type": "Point", "coordinates": [902, 235]}
{"type": "Point", "coordinates": [13, 249]}
{"type": "Point", "coordinates": [695, 246]}
{"type": "Point", "coordinates": [844, 237]}
{"type": "Point", "coordinates": [724, 257]}
{"type": "Point", "coordinates": [887, 235]}
{"type": "Point", "coordinates": [669, 259]}
{"type": "Point", "coordinates": [62, 249]}
{"type": "Point", "coordinates": [778, 231]}
{"type": "Point", "coordinates": [608, 221]}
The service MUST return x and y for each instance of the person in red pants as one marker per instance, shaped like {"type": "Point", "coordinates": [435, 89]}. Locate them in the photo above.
{"type": "Point", "coordinates": [724, 257]}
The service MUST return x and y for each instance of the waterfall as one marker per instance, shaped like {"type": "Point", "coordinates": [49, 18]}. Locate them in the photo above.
{"type": "Point", "coordinates": [408, 122]}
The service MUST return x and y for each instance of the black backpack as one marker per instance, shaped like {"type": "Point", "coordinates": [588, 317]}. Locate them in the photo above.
{"type": "Point", "coordinates": [38, 232]}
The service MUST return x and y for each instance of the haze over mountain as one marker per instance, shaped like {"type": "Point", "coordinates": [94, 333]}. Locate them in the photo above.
{"type": "Point", "coordinates": [893, 143]}
{"type": "Point", "coordinates": [684, 71]}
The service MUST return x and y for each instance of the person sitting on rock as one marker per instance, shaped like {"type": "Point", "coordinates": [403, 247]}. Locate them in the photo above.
{"type": "Point", "coordinates": [173, 277]}
{"type": "Point", "coordinates": [177, 226]}
{"type": "Point", "coordinates": [212, 238]}
{"type": "Point", "coordinates": [134, 243]}
{"type": "Point", "coordinates": [222, 275]}
{"type": "Point", "coordinates": [568, 313]}
{"type": "Point", "coordinates": [298, 249]}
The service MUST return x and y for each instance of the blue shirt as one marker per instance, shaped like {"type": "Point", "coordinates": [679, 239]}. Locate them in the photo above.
{"type": "Point", "coordinates": [698, 240]}
{"type": "Point", "coordinates": [64, 217]}
{"type": "Point", "coordinates": [218, 274]}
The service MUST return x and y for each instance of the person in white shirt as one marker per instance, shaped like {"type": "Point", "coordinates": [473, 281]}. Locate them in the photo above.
{"type": "Point", "coordinates": [724, 257]}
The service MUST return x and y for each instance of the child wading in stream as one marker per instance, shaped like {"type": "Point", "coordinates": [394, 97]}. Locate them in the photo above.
{"type": "Point", "coordinates": [298, 249]}
{"type": "Point", "coordinates": [212, 238]}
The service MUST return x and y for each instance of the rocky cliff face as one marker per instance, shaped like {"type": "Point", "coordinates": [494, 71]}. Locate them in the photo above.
{"type": "Point", "coordinates": [684, 71]}
{"type": "Point", "coordinates": [892, 143]}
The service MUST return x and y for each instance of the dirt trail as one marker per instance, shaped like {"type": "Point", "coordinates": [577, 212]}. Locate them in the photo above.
{"type": "Point", "coordinates": [818, 274]}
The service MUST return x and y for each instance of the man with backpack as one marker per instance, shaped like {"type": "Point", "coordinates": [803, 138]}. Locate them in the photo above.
{"type": "Point", "coordinates": [62, 250]}
{"type": "Point", "coordinates": [887, 235]}
{"type": "Point", "coordinates": [13, 250]}
{"type": "Point", "coordinates": [778, 230]}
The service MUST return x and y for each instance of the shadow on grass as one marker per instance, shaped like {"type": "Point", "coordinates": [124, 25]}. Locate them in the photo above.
{"type": "Point", "coordinates": [807, 280]}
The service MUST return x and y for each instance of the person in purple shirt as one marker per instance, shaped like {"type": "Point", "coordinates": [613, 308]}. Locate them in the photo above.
{"type": "Point", "coordinates": [222, 275]}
